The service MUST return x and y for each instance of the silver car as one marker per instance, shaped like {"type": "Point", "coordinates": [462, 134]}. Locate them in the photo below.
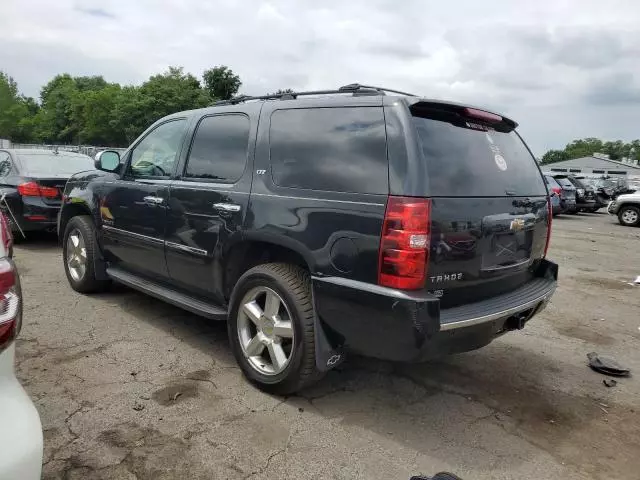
{"type": "Point", "coordinates": [627, 208]}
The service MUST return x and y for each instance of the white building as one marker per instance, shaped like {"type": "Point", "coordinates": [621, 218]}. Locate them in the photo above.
{"type": "Point", "coordinates": [598, 164]}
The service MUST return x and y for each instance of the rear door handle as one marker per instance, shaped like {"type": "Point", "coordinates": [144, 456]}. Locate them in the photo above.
{"type": "Point", "coordinates": [153, 200]}
{"type": "Point", "coordinates": [227, 207]}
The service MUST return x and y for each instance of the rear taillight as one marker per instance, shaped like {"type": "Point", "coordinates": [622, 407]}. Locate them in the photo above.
{"type": "Point", "coordinates": [9, 303]}
{"type": "Point", "coordinates": [32, 189]}
{"type": "Point", "coordinates": [404, 244]}
{"type": "Point", "coordinates": [549, 219]}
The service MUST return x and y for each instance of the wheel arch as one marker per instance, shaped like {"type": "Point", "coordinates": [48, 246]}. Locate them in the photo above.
{"type": "Point", "coordinates": [628, 204]}
{"type": "Point", "coordinates": [257, 250]}
{"type": "Point", "coordinates": [69, 211]}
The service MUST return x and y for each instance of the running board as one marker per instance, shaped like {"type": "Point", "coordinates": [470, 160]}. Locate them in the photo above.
{"type": "Point", "coordinates": [161, 292]}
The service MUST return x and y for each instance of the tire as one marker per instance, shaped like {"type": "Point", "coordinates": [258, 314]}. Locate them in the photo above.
{"type": "Point", "coordinates": [629, 216]}
{"type": "Point", "coordinates": [293, 287]}
{"type": "Point", "coordinates": [82, 226]}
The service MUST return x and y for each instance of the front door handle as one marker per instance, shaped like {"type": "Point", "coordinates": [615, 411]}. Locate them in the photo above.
{"type": "Point", "coordinates": [227, 207]}
{"type": "Point", "coordinates": [153, 200]}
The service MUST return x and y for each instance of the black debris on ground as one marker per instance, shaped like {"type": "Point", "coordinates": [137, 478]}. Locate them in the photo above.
{"type": "Point", "coordinates": [607, 365]}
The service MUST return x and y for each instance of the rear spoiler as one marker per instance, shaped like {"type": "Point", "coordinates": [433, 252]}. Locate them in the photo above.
{"type": "Point", "coordinates": [457, 113]}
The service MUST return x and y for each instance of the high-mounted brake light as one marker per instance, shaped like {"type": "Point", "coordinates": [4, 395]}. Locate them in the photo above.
{"type": "Point", "coordinates": [482, 115]}
{"type": "Point", "coordinates": [9, 303]}
{"type": "Point", "coordinates": [32, 189]}
{"type": "Point", "coordinates": [549, 220]}
{"type": "Point", "coordinates": [404, 244]}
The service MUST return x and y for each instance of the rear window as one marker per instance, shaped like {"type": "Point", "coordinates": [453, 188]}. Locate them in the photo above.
{"type": "Point", "coordinates": [334, 149]}
{"type": "Point", "coordinates": [551, 181]}
{"type": "Point", "coordinates": [564, 182]}
{"type": "Point", "coordinates": [476, 161]}
{"type": "Point", "coordinates": [50, 164]}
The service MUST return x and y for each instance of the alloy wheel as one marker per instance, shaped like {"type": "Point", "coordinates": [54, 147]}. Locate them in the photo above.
{"type": "Point", "coordinates": [265, 331]}
{"type": "Point", "coordinates": [76, 255]}
{"type": "Point", "coordinates": [629, 217]}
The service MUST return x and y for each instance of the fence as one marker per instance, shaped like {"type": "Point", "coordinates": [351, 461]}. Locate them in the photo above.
{"type": "Point", "coordinates": [89, 150]}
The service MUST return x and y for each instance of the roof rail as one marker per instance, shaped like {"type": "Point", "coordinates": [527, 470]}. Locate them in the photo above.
{"type": "Point", "coordinates": [353, 88]}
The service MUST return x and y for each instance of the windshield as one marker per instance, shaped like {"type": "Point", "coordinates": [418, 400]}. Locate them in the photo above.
{"type": "Point", "coordinates": [476, 162]}
{"type": "Point", "coordinates": [54, 164]}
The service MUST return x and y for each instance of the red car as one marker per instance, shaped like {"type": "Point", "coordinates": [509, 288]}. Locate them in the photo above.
{"type": "Point", "coordinates": [5, 233]}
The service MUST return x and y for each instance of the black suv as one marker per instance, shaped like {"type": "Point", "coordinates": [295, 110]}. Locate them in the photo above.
{"type": "Point", "coordinates": [318, 223]}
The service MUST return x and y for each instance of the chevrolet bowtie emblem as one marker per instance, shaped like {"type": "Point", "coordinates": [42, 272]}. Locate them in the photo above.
{"type": "Point", "coordinates": [516, 224]}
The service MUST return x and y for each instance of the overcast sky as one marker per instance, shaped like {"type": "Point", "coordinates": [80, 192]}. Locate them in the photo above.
{"type": "Point", "coordinates": [562, 69]}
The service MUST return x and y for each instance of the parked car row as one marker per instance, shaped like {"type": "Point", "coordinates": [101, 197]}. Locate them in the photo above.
{"type": "Point", "coordinates": [572, 194]}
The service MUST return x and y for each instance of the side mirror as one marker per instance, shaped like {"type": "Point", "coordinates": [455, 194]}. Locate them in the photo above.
{"type": "Point", "coordinates": [107, 160]}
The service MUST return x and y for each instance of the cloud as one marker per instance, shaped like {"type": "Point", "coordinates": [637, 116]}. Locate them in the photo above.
{"type": "Point", "coordinates": [619, 88]}
{"type": "Point", "coordinates": [47, 60]}
{"type": "Point", "coordinates": [560, 69]}
{"type": "Point", "coordinates": [95, 12]}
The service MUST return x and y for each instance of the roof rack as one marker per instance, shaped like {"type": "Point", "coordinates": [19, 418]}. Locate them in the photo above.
{"type": "Point", "coordinates": [353, 88]}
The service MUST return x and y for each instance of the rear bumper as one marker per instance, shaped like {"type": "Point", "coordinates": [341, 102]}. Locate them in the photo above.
{"type": "Point", "coordinates": [568, 205]}
{"type": "Point", "coordinates": [583, 203]}
{"type": "Point", "coordinates": [36, 214]}
{"type": "Point", "coordinates": [403, 326]}
{"type": "Point", "coordinates": [21, 437]}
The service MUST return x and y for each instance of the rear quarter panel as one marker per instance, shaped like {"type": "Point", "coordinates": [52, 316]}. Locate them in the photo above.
{"type": "Point", "coordinates": [337, 233]}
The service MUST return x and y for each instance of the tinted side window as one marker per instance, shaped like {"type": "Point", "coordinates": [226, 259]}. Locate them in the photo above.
{"type": "Point", "coordinates": [219, 149]}
{"type": "Point", "coordinates": [155, 155]}
{"type": "Point", "coordinates": [332, 149]}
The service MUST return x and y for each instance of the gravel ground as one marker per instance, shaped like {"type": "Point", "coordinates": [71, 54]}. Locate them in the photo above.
{"type": "Point", "coordinates": [130, 388]}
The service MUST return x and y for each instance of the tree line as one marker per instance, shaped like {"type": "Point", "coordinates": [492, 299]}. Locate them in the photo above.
{"type": "Point", "coordinates": [586, 147]}
{"type": "Point", "coordinates": [89, 110]}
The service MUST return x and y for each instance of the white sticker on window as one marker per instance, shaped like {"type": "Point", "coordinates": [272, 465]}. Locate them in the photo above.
{"type": "Point", "coordinates": [500, 162]}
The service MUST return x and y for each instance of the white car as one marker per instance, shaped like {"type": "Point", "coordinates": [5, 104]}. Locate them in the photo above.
{"type": "Point", "coordinates": [20, 427]}
{"type": "Point", "coordinates": [627, 208]}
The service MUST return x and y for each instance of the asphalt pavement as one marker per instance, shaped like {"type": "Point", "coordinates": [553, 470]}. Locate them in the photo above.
{"type": "Point", "coordinates": [131, 388]}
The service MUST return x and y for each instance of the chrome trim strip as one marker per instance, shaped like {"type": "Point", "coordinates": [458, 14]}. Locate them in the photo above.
{"type": "Point", "coordinates": [185, 248]}
{"type": "Point", "coordinates": [506, 267]}
{"type": "Point", "coordinates": [318, 199]}
{"type": "Point", "coordinates": [127, 233]}
{"type": "Point", "coordinates": [227, 207]}
{"type": "Point", "coordinates": [501, 314]}
{"type": "Point", "coordinates": [153, 200]}
{"type": "Point", "coordinates": [412, 295]}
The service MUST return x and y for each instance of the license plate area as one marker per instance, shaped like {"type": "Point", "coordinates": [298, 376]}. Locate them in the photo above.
{"type": "Point", "coordinates": [508, 250]}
